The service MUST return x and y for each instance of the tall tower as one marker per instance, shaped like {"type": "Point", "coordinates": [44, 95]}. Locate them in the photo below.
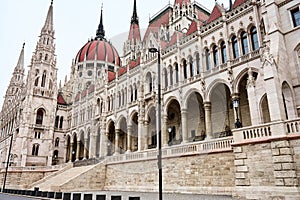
{"type": "Point", "coordinates": [37, 128]}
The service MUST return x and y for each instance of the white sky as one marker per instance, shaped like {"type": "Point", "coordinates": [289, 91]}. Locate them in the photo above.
{"type": "Point", "coordinates": [75, 21]}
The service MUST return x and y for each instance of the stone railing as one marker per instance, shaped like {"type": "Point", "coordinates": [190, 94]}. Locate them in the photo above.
{"type": "Point", "coordinates": [202, 147]}
{"type": "Point", "coordinates": [37, 168]}
{"type": "Point", "coordinates": [293, 126]}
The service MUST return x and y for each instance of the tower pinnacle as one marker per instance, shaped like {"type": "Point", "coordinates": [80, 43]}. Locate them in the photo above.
{"type": "Point", "coordinates": [20, 64]}
{"type": "Point", "coordinates": [100, 34]}
{"type": "Point", "coordinates": [134, 18]}
{"type": "Point", "coordinates": [48, 26]}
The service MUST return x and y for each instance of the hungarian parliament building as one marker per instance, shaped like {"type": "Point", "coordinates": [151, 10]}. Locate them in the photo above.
{"type": "Point", "coordinates": [228, 85]}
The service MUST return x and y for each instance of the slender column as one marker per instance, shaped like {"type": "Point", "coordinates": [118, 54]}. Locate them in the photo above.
{"type": "Point", "coordinates": [165, 131]}
{"type": "Point", "coordinates": [117, 145]}
{"type": "Point", "coordinates": [71, 151]}
{"type": "Point", "coordinates": [146, 131]}
{"type": "Point", "coordinates": [140, 135]}
{"type": "Point", "coordinates": [207, 108]}
{"type": "Point", "coordinates": [253, 107]}
{"type": "Point", "coordinates": [78, 150]}
{"type": "Point", "coordinates": [184, 126]}
{"type": "Point", "coordinates": [129, 133]}
{"type": "Point", "coordinates": [103, 148]}
{"type": "Point", "coordinates": [85, 150]}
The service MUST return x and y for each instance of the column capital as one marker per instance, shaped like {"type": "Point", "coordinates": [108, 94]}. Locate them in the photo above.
{"type": "Point", "coordinates": [207, 104]}
{"type": "Point", "coordinates": [235, 96]}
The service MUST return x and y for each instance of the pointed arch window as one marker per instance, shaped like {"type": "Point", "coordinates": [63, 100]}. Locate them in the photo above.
{"type": "Point", "coordinates": [166, 77]}
{"type": "Point", "coordinates": [43, 79]}
{"type": "Point", "coordinates": [56, 121]}
{"type": "Point", "coordinates": [216, 56]}
{"type": "Point", "coordinates": [56, 142]}
{"type": "Point", "coordinates": [135, 93]}
{"type": "Point", "coordinates": [191, 66]}
{"type": "Point", "coordinates": [235, 47]}
{"type": "Point", "coordinates": [207, 57]}
{"type": "Point", "coordinates": [245, 47]}
{"type": "Point", "coordinates": [61, 121]}
{"type": "Point", "coordinates": [40, 116]}
{"type": "Point", "coordinates": [46, 57]}
{"type": "Point", "coordinates": [35, 150]}
{"type": "Point", "coordinates": [36, 82]}
{"type": "Point", "coordinates": [184, 69]}
{"type": "Point", "coordinates": [198, 62]}
{"type": "Point", "coordinates": [131, 94]}
{"type": "Point", "coordinates": [171, 75]}
{"type": "Point", "coordinates": [177, 73]}
{"type": "Point", "coordinates": [223, 52]}
{"type": "Point", "coordinates": [254, 38]}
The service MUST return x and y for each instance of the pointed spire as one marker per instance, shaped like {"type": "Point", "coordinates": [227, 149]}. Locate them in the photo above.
{"type": "Point", "coordinates": [49, 20]}
{"type": "Point", "coordinates": [100, 32]}
{"type": "Point", "coordinates": [230, 4]}
{"type": "Point", "coordinates": [134, 18]}
{"type": "Point", "coordinates": [20, 64]}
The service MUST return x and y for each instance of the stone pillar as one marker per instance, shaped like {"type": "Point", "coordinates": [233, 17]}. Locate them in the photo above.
{"type": "Point", "coordinates": [85, 150]}
{"type": "Point", "coordinates": [103, 143]}
{"type": "Point", "coordinates": [208, 127]}
{"type": "Point", "coordinates": [164, 132]}
{"type": "Point", "coordinates": [253, 107]}
{"type": "Point", "coordinates": [140, 135]}
{"type": "Point", "coordinates": [117, 145]}
{"type": "Point", "coordinates": [129, 133]}
{"type": "Point", "coordinates": [184, 126]}
{"type": "Point", "coordinates": [78, 150]}
{"type": "Point", "coordinates": [146, 133]}
{"type": "Point", "coordinates": [71, 151]}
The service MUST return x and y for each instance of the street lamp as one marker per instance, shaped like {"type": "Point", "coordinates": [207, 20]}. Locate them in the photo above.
{"type": "Point", "coordinates": [157, 50]}
{"type": "Point", "coordinates": [238, 124]}
{"type": "Point", "coordinates": [8, 161]}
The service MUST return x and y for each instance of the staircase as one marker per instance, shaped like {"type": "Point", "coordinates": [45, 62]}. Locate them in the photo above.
{"type": "Point", "coordinates": [73, 179]}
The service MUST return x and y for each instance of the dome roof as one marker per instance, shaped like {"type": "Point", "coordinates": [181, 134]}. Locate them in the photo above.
{"type": "Point", "coordinates": [98, 49]}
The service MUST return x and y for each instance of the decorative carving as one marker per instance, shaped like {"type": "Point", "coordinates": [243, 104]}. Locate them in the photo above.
{"type": "Point", "coordinates": [251, 79]}
{"type": "Point", "coordinates": [230, 75]}
{"type": "Point", "coordinates": [266, 54]}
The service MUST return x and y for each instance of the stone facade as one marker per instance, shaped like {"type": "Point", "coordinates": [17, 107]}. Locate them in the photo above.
{"type": "Point", "coordinates": [229, 78]}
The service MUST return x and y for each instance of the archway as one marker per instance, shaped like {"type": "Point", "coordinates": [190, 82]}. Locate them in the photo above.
{"type": "Point", "coordinates": [74, 150]}
{"type": "Point", "coordinates": [174, 135]}
{"type": "Point", "coordinates": [244, 116]}
{"type": "Point", "coordinates": [264, 107]}
{"type": "Point", "coordinates": [134, 136]}
{"type": "Point", "coordinates": [122, 135]}
{"type": "Point", "coordinates": [111, 139]}
{"type": "Point", "coordinates": [195, 117]}
{"type": "Point", "coordinates": [288, 101]}
{"type": "Point", "coordinates": [222, 113]}
{"type": "Point", "coordinates": [81, 145]}
{"type": "Point", "coordinates": [68, 149]}
{"type": "Point", "coordinates": [152, 133]}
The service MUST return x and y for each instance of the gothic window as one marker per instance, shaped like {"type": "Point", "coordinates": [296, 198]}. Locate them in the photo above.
{"type": "Point", "coordinates": [56, 121]}
{"type": "Point", "coordinates": [166, 77]}
{"type": "Point", "coordinates": [108, 103]}
{"type": "Point", "coordinates": [191, 66]}
{"type": "Point", "coordinates": [223, 52]}
{"type": "Point", "coordinates": [177, 73]}
{"type": "Point", "coordinates": [35, 150]}
{"type": "Point", "coordinates": [216, 56]}
{"type": "Point", "coordinates": [61, 121]}
{"type": "Point", "coordinates": [254, 38]}
{"type": "Point", "coordinates": [36, 82]}
{"type": "Point", "coordinates": [50, 85]}
{"type": "Point", "coordinates": [184, 69]}
{"type": "Point", "coordinates": [235, 47]}
{"type": "Point", "coordinates": [37, 135]}
{"type": "Point", "coordinates": [41, 56]}
{"type": "Point", "coordinates": [112, 102]}
{"type": "Point", "coordinates": [171, 75]}
{"type": "Point", "coordinates": [46, 57]}
{"type": "Point", "coordinates": [296, 16]}
{"type": "Point", "coordinates": [120, 99]}
{"type": "Point", "coordinates": [245, 48]}
{"type": "Point", "coordinates": [131, 94]}
{"type": "Point", "coordinates": [198, 62]}
{"type": "Point", "coordinates": [135, 92]}
{"type": "Point", "coordinates": [149, 82]}
{"type": "Point", "coordinates": [39, 116]}
{"type": "Point", "coordinates": [56, 142]}
{"type": "Point", "coordinates": [43, 79]}
{"type": "Point", "coordinates": [207, 58]}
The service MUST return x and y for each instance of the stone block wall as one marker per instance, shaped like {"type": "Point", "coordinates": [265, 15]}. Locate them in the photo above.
{"type": "Point", "coordinates": [201, 174]}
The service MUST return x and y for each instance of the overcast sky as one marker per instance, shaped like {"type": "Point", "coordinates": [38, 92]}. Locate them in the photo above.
{"type": "Point", "coordinates": [75, 21]}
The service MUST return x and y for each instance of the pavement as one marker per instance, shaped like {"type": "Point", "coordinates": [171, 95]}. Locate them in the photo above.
{"type": "Point", "coordinates": [17, 197]}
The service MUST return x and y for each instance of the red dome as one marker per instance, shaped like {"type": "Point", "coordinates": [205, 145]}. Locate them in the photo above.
{"type": "Point", "coordinates": [98, 50]}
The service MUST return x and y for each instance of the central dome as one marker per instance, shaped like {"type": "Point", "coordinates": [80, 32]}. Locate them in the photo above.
{"type": "Point", "coordinates": [98, 50]}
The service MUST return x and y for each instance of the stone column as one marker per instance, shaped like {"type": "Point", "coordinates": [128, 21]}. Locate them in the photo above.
{"type": "Point", "coordinates": [117, 146]}
{"type": "Point", "coordinates": [140, 135]}
{"type": "Point", "coordinates": [253, 107]}
{"type": "Point", "coordinates": [71, 151]}
{"type": "Point", "coordinates": [129, 133]}
{"type": "Point", "coordinates": [85, 150]}
{"type": "Point", "coordinates": [208, 127]}
{"type": "Point", "coordinates": [103, 143]}
{"type": "Point", "coordinates": [184, 126]}
{"type": "Point", "coordinates": [146, 132]}
{"type": "Point", "coordinates": [78, 150]}
{"type": "Point", "coordinates": [165, 133]}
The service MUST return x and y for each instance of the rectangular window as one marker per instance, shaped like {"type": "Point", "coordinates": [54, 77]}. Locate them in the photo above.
{"type": "Point", "coordinates": [295, 16]}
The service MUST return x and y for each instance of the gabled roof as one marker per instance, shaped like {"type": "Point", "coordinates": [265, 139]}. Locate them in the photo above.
{"type": "Point", "coordinates": [134, 63]}
{"type": "Point", "coordinates": [192, 28]}
{"type": "Point", "coordinates": [60, 99]}
{"type": "Point", "coordinates": [215, 14]}
{"type": "Point", "coordinates": [238, 2]}
{"type": "Point", "coordinates": [134, 33]}
{"type": "Point", "coordinates": [180, 2]}
{"type": "Point", "coordinates": [111, 76]}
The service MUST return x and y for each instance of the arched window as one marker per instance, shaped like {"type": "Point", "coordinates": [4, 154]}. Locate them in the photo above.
{"type": "Point", "coordinates": [171, 75]}
{"type": "Point", "coordinates": [177, 72]}
{"type": "Point", "coordinates": [43, 79]}
{"type": "Point", "coordinates": [198, 62]}
{"type": "Point", "coordinates": [108, 103]}
{"type": "Point", "coordinates": [56, 121]}
{"type": "Point", "coordinates": [184, 69]}
{"type": "Point", "coordinates": [120, 99]}
{"type": "Point", "coordinates": [41, 56]}
{"type": "Point", "coordinates": [61, 121]}
{"type": "Point", "coordinates": [149, 82]}
{"type": "Point", "coordinates": [35, 150]}
{"type": "Point", "coordinates": [131, 94]}
{"type": "Point", "coordinates": [254, 38]}
{"type": "Point", "coordinates": [135, 93]}
{"type": "Point", "coordinates": [207, 57]}
{"type": "Point", "coordinates": [56, 142]}
{"type": "Point", "coordinates": [112, 102]}
{"type": "Point", "coordinates": [216, 56]}
{"type": "Point", "coordinates": [55, 155]}
{"type": "Point", "coordinates": [166, 77]}
{"type": "Point", "coordinates": [50, 85]}
{"type": "Point", "coordinates": [39, 116]}
{"type": "Point", "coordinates": [191, 66]}
{"type": "Point", "coordinates": [123, 97]}
{"type": "Point", "coordinates": [223, 52]}
{"type": "Point", "coordinates": [245, 47]}
{"type": "Point", "coordinates": [235, 47]}
{"type": "Point", "coordinates": [46, 57]}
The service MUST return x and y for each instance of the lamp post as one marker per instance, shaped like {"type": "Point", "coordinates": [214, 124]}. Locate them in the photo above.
{"type": "Point", "coordinates": [159, 160]}
{"type": "Point", "coordinates": [238, 124]}
{"type": "Point", "coordinates": [7, 162]}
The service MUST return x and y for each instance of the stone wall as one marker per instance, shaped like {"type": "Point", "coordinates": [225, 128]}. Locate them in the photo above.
{"type": "Point", "coordinates": [201, 174]}
{"type": "Point", "coordinates": [267, 170]}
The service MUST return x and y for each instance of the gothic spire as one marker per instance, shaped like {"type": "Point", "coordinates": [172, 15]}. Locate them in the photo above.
{"type": "Point", "coordinates": [134, 18]}
{"type": "Point", "coordinates": [230, 4]}
{"type": "Point", "coordinates": [48, 26]}
{"type": "Point", "coordinates": [100, 32]}
{"type": "Point", "coordinates": [20, 65]}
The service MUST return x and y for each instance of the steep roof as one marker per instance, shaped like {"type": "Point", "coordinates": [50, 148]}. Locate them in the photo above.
{"type": "Point", "coordinates": [60, 99]}
{"type": "Point", "coordinates": [238, 2]}
{"type": "Point", "coordinates": [215, 14]}
{"type": "Point", "coordinates": [192, 28]}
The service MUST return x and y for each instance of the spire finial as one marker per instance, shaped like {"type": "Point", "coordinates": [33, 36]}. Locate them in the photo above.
{"type": "Point", "coordinates": [134, 18]}
{"type": "Point", "coordinates": [23, 45]}
{"type": "Point", "coordinates": [51, 2]}
{"type": "Point", "coordinates": [230, 4]}
{"type": "Point", "coordinates": [100, 34]}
